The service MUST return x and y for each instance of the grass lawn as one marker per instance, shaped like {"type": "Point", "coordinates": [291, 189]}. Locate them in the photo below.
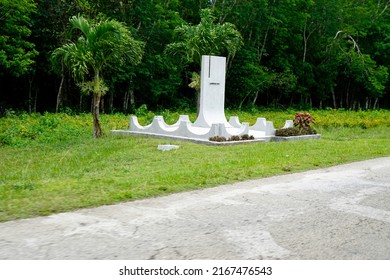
{"type": "Point", "coordinates": [50, 163]}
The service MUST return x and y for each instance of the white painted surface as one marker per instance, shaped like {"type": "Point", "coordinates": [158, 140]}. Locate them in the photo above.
{"type": "Point", "coordinates": [211, 120]}
{"type": "Point", "coordinates": [212, 92]}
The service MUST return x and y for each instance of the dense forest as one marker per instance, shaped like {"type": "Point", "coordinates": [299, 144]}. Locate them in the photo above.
{"type": "Point", "coordinates": [301, 53]}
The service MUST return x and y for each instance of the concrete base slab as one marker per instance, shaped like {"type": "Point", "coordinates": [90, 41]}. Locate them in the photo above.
{"type": "Point", "coordinates": [129, 133]}
{"type": "Point", "coordinates": [214, 143]}
{"type": "Point", "coordinates": [294, 138]}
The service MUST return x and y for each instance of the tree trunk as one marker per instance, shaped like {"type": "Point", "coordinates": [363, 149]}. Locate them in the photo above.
{"type": "Point", "coordinates": [333, 97]}
{"type": "Point", "coordinates": [347, 98]}
{"type": "Point", "coordinates": [368, 103]}
{"type": "Point", "coordinates": [125, 101]}
{"type": "Point", "coordinates": [102, 104]}
{"type": "Point", "coordinates": [375, 106]}
{"type": "Point", "coordinates": [111, 101]}
{"type": "Point", "coordinates": [35, 101]}
{"type": "Point", "coordinates": [255, 99]}
{"type": "Point", "coordinates": [310, 100]}
{"type": "Point", "coordinates": [260, 55]}
{"type": "Point", "coordinates": [132, 98]}
{"type": "Point", "coordinates": [81, 102]}
{"type": "Point", "coordinates": [30, 81]}
{"type": "Point", "coordinates": [129, 96]}
{"type": "Point", "coordinates": [97, 130]}
{"type": "Point", "coordinates": [59, 94]}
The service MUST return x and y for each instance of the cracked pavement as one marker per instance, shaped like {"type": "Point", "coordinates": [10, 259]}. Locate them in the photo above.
{"type": "Point", "coordinates": [341, 212]}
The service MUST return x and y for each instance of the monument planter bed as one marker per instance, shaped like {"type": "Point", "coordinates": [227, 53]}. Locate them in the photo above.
{"type": "Point", "coordinates": [295, 133]}
{"type": "Point", "coordinates": [220, 142]}
{"type": "Point", "coordinates": [293, 138]}
{"type": "Point", "coordinates": [244, 137]}
{"type": "Point", "coordinates": [300, 131]}
{"type": "Point", "coordinates": [211, 121]}
{"type": "Point", "coordinates": [211, 126]}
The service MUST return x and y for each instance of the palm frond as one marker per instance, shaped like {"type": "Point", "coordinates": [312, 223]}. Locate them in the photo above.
{"type": "Point", "coordinates": [206, 38]}
{"type": "Point", "coordinates": [80, 23]}
{"type": "Point", "coordinates": [103, 44]}
{"type": "Point", "coordinates": [75, 57]}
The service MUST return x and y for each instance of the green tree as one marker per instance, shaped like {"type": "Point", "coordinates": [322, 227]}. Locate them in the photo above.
{"type": "Point", "coordinates": [295, 52]}
{"type": "Point", "coordinates": [17, 53]}
{"type": "Point", "coordinates": [158, 77]}
{"type": "Point", "coordinates": [46, 38]}
{"type": "Point", "coordinates": [360, 77]}
{"type": "Point", "coordinates": [98, 47]}
{"type": "Point", "coordinates": [206, 38]}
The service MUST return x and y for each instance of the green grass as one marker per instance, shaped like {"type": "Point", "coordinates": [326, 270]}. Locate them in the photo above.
{"type": "Point", "coordinates": [50, 163]}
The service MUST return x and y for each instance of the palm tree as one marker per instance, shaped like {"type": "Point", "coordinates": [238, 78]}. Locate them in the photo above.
{"type": "Point", "coordinates": [206, 38]}
{"type": "Point", "coordinates": [98, 46]}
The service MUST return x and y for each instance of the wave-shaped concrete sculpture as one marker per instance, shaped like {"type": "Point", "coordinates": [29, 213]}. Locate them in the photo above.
{"type": "Point", "coordinates": [211, 120]}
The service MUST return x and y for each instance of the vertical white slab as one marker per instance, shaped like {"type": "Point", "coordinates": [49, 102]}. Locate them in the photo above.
{"type": "Point", "coordinates": [212, 92]}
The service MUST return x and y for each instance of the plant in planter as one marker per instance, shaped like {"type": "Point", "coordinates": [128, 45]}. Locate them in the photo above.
{"type": "Point", "coordinates": [217, 139]}
{"type": "Point", "coordinates": [233, 138]}
{"type": "Point", "coordinates": [247, 137]}
{"type": "Point", "coordinates": [302, 122]}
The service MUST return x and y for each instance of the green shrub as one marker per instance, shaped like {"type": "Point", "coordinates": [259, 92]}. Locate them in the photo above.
{"type": "Point", "coordinates": [247, 137]}
{"type": "Point", "coordinates": [25, 129]}
{"type": "Point", "coordinates": [303, 120]}
{"type": "Point", "coordinates": [294, 131]}
{"type": "Point", "coordinates": [244, 137]}
{"type": "Point", "coordinates": [234, 138]}
{"type": "Point", "coordinates": [217, 139]}
{"type": "Point", "coordinates": [20, 130]}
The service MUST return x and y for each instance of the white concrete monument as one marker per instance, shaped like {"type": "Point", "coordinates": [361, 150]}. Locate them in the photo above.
{"type": "Point", "coordinates": [211, 119]}
{"type": "Point", "coordinates": [212, 91]}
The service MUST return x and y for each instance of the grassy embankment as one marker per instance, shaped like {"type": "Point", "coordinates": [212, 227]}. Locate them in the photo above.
{"type": "Point", "coordinates": [50, 163]}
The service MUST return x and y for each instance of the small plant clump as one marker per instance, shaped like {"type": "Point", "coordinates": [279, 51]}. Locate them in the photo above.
{"type": "Point", "coordinates": [294, 131]}
{"type": "Point", "coordinates": [232, 138]}
{"type": "Point", "coordinates": [303, 120]}
{"type": "Point", "coordinates": [218, 139]}
{"type": "Point", "coordinates": [302, 124]}
{"type": "Point", "coordinates": [247, 137]}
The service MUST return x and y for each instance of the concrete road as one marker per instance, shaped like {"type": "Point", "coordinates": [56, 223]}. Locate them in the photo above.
{"type": "Point", "coordinates": [341, 212]}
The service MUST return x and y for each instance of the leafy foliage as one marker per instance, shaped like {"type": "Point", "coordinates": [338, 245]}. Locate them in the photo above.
{"type": "Point", "coordinates": [305, 54]}
{"type": "Point", "coordinates": [294, 131]}
{"type": "Point", "coordinates": [17, 53]}
{"type": "Point", "coordinates": [100, 46]}
{"type": "Point", "coordinates": [302, 126]}
{"type": "Point", "coordinates": [303, 120]}
{"type": "Point", "coordinates": [24, 130]}
{"type": "Point", "coordinates": [206, 38]}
